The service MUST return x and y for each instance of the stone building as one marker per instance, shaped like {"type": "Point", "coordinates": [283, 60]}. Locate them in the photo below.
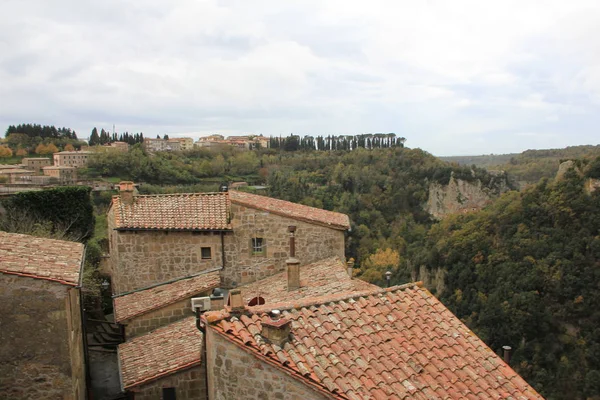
{"type": "Point", "coordinates": [156, 238]}
{"type": "Point", "coordinates": [36, 163]}
{"type": "Point", "coordinates": [63, 174]}
{"type": "Point", "coordinates": [75, 159]}
{"type": "Point", "coordinates": [155, 361]}
{"type": "Point", "coordinates": [16, 175]}
{"type": "Point", "coordinates": [41, 340]}
{"type": "Point", "coordinates": [144, 310]}
{"type": "Point", "coordinates": [394, 343]}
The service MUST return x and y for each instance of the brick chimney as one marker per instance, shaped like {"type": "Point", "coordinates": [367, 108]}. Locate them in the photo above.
{"type": "Point", "coordinates": [217, 301]}
{"type": "Point", "coordinates": [276, 330]}
{"type": "Point", "coordinates": [350, 267]}
{"type": "Point", "coordinates": [126, 189]}
{"type": "Point", "coordinates": [235, 300]}
{"type": "Point", "coordinates": [292, 263]}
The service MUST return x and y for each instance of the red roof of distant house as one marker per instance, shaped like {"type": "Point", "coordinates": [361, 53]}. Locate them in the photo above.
{"type": "Point", "coordinates": [292, 210]}
{"type": "Point", "coordinates": [143, 301]}
{"type": "Point", "coordinates": [326, 276]}
{"type": "Point", "coordinates": [161, 352]}
{"type": "Point", "coordinates": [41, 258]}
{"type": "Point", "coordinates": [394, 343]}
{"type": "Point", "coordinates": [182, 211]}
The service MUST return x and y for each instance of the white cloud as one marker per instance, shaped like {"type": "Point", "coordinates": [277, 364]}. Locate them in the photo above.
{"type": "Point", "coordinates": [430, 71]}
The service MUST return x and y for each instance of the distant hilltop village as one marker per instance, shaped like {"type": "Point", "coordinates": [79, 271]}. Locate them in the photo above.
{"type": "Point", "coordinates": [182, 144]}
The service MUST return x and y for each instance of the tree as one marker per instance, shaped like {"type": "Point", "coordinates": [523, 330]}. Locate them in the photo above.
{"type": "Point", "coordinates": [94, 138]}
{"type": "Point", "coordinates": [5, 152]}
{"type": "Point", "coordinates": [378, 263]}
{"type": "Point", "coordinates": [166, 137]}
{"type": "Point", "coordinates": [21, 152]}
{"type": "Point", "coordinates": [69, 147]}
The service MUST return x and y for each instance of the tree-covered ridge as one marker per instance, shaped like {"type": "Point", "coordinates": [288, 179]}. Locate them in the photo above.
{"type": "Point", "coordinates": [532, 165]}
{"type": "Point", "coordinates": [42, 131]}
{"type": "Point", "coordinates": [525, 272]}
{"type": "Point", "coordinates": [24, 139]}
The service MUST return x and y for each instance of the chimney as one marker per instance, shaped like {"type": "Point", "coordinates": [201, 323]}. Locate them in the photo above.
{"type": "Point", "coordinates": [235, 300]}
{"type": "Point", "coordinates": [126, 191]}
{"type": "Point", "coordinates": [350, 266]}
{"type": "Point", "coordinates": [276, 330]}
{"type": "Point", "coordinates": [507, 353]}
{"type": "Point", "coordinates": [292, 263]}
{"type": "Point", "coordinates": [217, 301]}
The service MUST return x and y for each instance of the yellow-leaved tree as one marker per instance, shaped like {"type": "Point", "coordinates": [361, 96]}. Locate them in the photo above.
{"type": "Point", "coordinates": [69, 147]}
{"type": "Point", "coordinates": [5, 152]}
{"type": "Point", "coordinates": [21, 152]}
{"type": "Point", "coordinates": [376, 265]}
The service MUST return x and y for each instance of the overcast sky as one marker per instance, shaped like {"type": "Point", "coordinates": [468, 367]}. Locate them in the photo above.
{"type": "Point", "coordinates": [453, 77]}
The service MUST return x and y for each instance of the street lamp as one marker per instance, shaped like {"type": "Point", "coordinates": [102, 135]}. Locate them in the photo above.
{"type": "Point", "coordinates": [105, 284]}
{"type": "Point", "coordinates": [388, 276]}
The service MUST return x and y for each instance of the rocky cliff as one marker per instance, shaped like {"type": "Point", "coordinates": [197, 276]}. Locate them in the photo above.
{"type": "Point", "coordinates": [460, 196]}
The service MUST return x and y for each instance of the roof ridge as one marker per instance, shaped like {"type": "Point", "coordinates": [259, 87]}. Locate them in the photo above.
{"type": "Point", "coordinates": [320, 300]}
{"type": "Point", "coordinates": [216, 316]}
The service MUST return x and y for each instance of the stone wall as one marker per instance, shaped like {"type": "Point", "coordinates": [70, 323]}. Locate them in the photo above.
{"type": "Point", "coordinates": [74, 325]}
{"type": "Point", "coordinates": [143, 258]}
{"type": "Point", "coordinates": [157, 318]}
{"type": "Point", "coordinates": [236, 374]}
{"type": "Point", "coordinates": [313, 242]}
{"type": "Point", "coordinates": [34, 340]}
{"type": "Point", "coordinates": [188, 384]}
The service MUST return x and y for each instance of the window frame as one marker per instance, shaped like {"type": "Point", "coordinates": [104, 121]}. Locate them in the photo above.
{"type": "Point", "coordinates": [202, 249]}
{"type": "Point", "coordinates": [254, 246]}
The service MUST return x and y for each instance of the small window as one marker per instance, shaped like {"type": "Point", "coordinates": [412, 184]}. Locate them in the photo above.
{"type": "Point", "coordinates": [206, 253]}
{"type": "Point", "coordinates": [169, 394]}
{"type": "Point", "coordinates": [258, 246]}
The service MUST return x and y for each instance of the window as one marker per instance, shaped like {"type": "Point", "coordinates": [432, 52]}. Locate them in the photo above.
{"type": "Point", "coordinates": [258, 246]}
{"type": "Point", "coordinates": [206, 253]}
{"type": "Point", "coordinates": [168, 394]}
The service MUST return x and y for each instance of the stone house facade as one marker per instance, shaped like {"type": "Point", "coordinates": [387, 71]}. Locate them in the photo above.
{"type": "Point", "coordinates": [62, 174]}
{"type": "Point", "coordinates": [237, 374]}
{"type": "Point", "coordinates": [157, 238]}
{"type": "Point", "coordinates": [41, 333]}
{"type": "Point", "coordinates": [75, 159]}
{"type": "Point", "coordinates": [36, 163]}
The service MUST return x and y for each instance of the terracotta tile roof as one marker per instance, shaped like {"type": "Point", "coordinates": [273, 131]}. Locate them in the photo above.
{"type": "Point", "coordinates": [292, 210]}
{"type": "Point", "coordinates": [327, 276]}
{"type": "Point", "coordinates": [142, 301]}
{"type": "Point", "coordinates": [161, 352]}
{"type": "Point", "coordinates": [182, 211]}
{"type": "Point", "coordinates": [41, 258]}
{"type": "Point", "coordinates": [395, 343]}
